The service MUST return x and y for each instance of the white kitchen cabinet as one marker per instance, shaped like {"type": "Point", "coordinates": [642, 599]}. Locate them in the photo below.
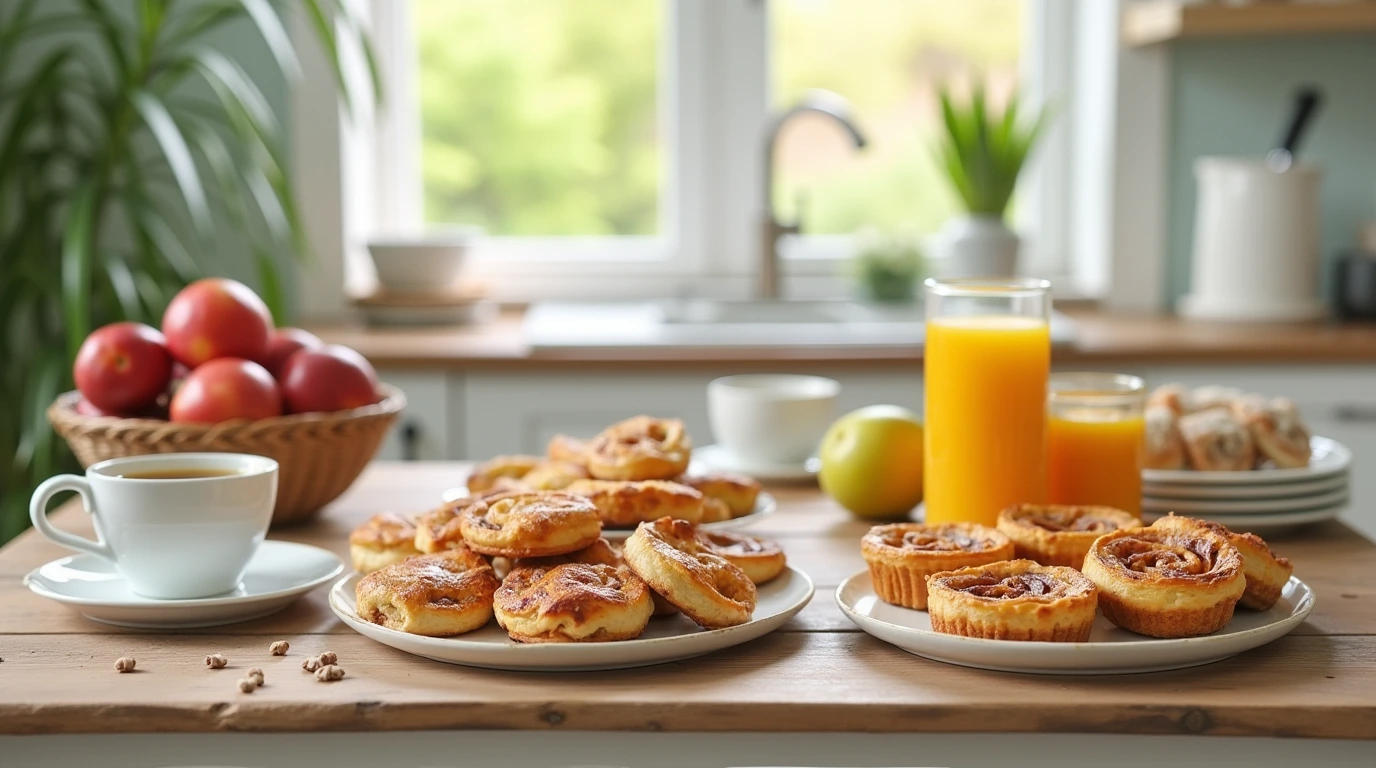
{"type": "Point", "coordinates": [425, 428]}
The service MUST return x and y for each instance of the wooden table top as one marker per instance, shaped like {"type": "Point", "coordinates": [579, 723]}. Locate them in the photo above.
{"type": "Point", "coordinates": [819, 673]}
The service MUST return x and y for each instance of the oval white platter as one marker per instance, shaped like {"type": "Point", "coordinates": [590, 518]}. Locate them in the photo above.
{"type": "Point", "coordinates": [1276, 521]}
{"type": "Point", "coordinates": [1327, 457]}
{"type": "Point", "coordinates": [1243, 506]}
{"type": "Point", "coordinates": [1110, 650]}
{"type": "Point", "coordinates": [1241, 492]}
{"type": "Point", "coordinates": [765, 505]}
{"type": "Point", "coordinates": [669, 638]}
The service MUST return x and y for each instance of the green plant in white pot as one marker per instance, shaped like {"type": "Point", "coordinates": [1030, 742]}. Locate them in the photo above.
{"type": "Point", "coordinates": [982, 152]}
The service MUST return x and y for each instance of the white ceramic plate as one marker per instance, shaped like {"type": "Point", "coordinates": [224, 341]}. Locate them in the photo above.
{"type": "Point", "coordinates": [1261, 523]}
{"type": "Point", "coordinates": [671, 638]}
{"type": "Point", "coordinates": [1244, 506]}
{"type": "Point", "coordinates": [1237, 492]}
{"type": "Point", "coordinates": [1110, 650]}
{"type": "Point", "coordinates": [714, 457]}
{"type": "Point", "coordinates": [1327, 458]}
{"type": "Point", "coordinates": [278, 574]}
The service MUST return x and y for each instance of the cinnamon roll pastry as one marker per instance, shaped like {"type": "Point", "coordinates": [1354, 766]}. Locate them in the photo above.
{"type": "Point", "coordinates": [1213, 396]}
{"type": "Point", "coordinates": [739, 492]}
{"type": "Point", "coordinates": [1279, 433]}
{"type": "Point", "coordinates": [573, 603]}
{"type": "Point", "coordinates": [530, 524]}
{"type": "Point", "coordinates": [709, 589]}
{"type": "Point", "coordinates": [627, 503]}
{"type": "Point", "coordinates": [487, 474]}
{"type": "Point", "coordinates": [553, 475]}
{"type": "Point", "coordinates": [1217, 442]}
{"type": "Point", "coordinates": [1165, 448]}
{"type": "Point", "coordinates": [640, 448]}
{"type": "Point", "coordinates": [1013, 600]}
{"type": "Point", "coordinates": [902, 555]}
{"type": "Point", "coordinates": [602, 552]}
{"type": "Point", "coordinates": [381, 541]}
{"type": "Point", "coordinates": [1059, 534]}
{"type": "Point", "coordinates": [715, 511]}
{"type": "Point", "coordinates": [567, 450]}
{"type": "Point", "coordinates": [438, 529]}
{"type": "Point", "coordinates": [1266, 573]}
{"type": "Point", "coordinates": [1179, 580]}
{"type": "Point", "coordinates": [1173, 397]}
{"type": "Point", "coordinates": [437, 595]}
{"type": "Point", "coordinates": [761, 559]}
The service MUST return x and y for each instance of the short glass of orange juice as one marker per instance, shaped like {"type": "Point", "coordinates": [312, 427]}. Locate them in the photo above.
{"type": "Point", "coordinates": [1094, 440]}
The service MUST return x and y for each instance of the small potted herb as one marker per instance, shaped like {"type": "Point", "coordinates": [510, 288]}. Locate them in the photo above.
{"type": "Point", "coordinates": [888, 268]}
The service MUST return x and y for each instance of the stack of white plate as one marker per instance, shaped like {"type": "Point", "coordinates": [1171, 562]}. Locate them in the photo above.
{"type": "Point", "coordinates": [1255, 500]}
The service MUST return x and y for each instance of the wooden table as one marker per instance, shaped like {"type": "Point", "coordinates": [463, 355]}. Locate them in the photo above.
{"type": "Point", "coordinates": [819, 674]}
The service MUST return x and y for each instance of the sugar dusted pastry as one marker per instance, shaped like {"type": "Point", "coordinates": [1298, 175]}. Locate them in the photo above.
{"type": "Point", "coordinates": [761, 559]}
{"type": "Point", "coordinates": [1178, 580]}
{"type": "Point", "coordinates": [514, 467]}
{"type": "Point", "coordinates": [567, 450]}
{"type": "Point", "coordinates": [530, 524]}
{"type": "Point", "coordinates": [1213, 396]}
{"type": "Point", "coordinates": [640, 448]}
{"type": "Point", "coordinates": [715, 511]}
{"type": "Point", "coordinates": [573, 603]}
{"type": "Point", "coordinates": [381, 541]}
{"type": "Point", "coordinates": [739, 492]}
{"type": "Point", "coordinates": [1013, 600]}
{"type": "Point", "coordinates": [553, 475]}
{"type": "Point", "coordinates": [709, 589]}
{"type": "Point", "coordinates": [1165, 448]}
{"type": "Point", "coordinates": [627, 503]}
{"type": "Point", "coordinates": [1217, 442]}
{"type": "Point", "coordinates": [439, 529]}
{"type": "Point", "coordinates": [1266, 573]}
{"type": "Point", "coordinates": [1173, 397]}
{"type": "Point", "coordinates": [902, 555]}
{"type": "Point", "coordinates": [1059, 534]}
{"type": "Point", "coordinates": [1277, 429]}
{"type": "Point", "coordinates": [437, 595]}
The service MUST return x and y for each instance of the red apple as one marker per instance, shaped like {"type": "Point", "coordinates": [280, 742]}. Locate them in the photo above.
{"type": "Point", "coordinates": [85, 408]}
{"type": "Point", "coordinates": [122, 367]}
{"type": "Point", "coordinates": [285, 342]}
{"type": "Point", "coordinates": [332, 378]}
{"type": "Point", "coordinates": [226, 388]}
{"type": "Point", "coordinates": [216, 317]}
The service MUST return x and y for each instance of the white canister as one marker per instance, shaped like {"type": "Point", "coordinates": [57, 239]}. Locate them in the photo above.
{"type": "Point", "coordinates": [1256, 242]}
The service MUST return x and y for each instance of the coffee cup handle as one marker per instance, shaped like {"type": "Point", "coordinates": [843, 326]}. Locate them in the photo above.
{"type": "Point", "coordinates": [38, 507]}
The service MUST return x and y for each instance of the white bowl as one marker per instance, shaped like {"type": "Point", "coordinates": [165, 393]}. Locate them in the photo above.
{"type": "Point", "coordinates": [771, 418]}
{"type": "Point", "coordinates": [429, 264]}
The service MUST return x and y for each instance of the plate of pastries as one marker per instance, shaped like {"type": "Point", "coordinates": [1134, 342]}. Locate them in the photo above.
{"type": "Point", "coordinates": [1081, 590]}
{"type": "Point", "coordinates": [634, 471]}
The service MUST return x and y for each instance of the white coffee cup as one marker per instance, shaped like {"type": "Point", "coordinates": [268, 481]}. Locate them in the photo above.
{"type": "Point", "coordinates": [771, 418]}
{"type": "Point", "coordinates": [170, 538]}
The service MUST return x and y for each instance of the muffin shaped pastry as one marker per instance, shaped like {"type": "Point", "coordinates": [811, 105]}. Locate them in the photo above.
{"type": "Point", "coordinates": [1165, 448]}
{"type": "Point", "coordinates": [1177, 580]}
{"type": "Point", "coordinates": [530, 524]}
{"type": "Point", "coordinates": [1013, 600]}
{"type": "Point", "coordinates": [1217, 442]}
{"type": "Point", "coordinates": [487, 474]}
{"type": "Point", "coordinates": [1266, 573]}
{"type": "Point", "coordinates": [573, 603]}
{"type": "Point", "coordinates": [1060, 534]}
{"type": "Point", "coordinates": [553, 475]}
{"type": "Point", "coordinates": [739, 492]}
{"type": "Point", "coordinates": [902, 555]}
{"type": "Point", "coordinates": [627, 503]}
{"type": "Point", "coordinates": [761, 559]}
{"type": "Point", "coordinates": [438, 595]}
{"type": "Point", "coordinates": [640, 448]}
{"type": "Point", "coordinates": [708, 588]}
{"type": "Point", "coordinates": [381, 541]}
{"type": "Point", "coordinates": [1277, 429]}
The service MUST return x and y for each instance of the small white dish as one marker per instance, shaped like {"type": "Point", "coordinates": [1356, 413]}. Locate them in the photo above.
{"type": "Point", "coordinates": [1237, 492]}
{"type": "Point", "coordinates": [671, 638]}
{"type": "Point", "coordinates": [425, 264]}
{"type": "Point", "coordinates": [1327, 458]}
{"type": "Point", "coordinates": [278, 574]}
{"type": "Point", "coordinates": [1110, 650]}
{"type": "Point", "coordinates": [1244, 506]}
{"type": "Point", "coordinates": [1260, 523]}
{"type": "Point", "coordinates": [771, 418]}
{"type": "Point", "coordinates": [716, 457]}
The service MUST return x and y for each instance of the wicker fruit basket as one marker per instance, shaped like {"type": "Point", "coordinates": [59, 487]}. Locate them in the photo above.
{"type": "Point", "coordinates": [320, 454]}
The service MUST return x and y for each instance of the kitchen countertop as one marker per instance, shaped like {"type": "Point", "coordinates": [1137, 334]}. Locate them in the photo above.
{"type": "Point", "coordinates": [1101, 338]}
{"type": "Point", "coordinates": [817, 674]}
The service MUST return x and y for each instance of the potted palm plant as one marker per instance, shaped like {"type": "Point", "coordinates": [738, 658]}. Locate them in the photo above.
{"type": "Point", "coordinates": [982, 152]}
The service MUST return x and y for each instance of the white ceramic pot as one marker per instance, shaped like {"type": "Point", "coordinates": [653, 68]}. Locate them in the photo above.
{"type": "Point", "coordinates": [978, 245]}
{"type": "Point", "coordinates": [423, 265]}
{"type": "Point", "coordinates": [771, 418]}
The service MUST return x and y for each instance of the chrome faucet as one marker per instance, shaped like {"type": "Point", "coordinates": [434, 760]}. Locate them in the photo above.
{"type": "Point", "coordinates": [822, 102]}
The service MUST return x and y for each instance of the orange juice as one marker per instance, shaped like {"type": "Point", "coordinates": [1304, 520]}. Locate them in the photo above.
{"type": "Point", "coordinates": [1094, 456]}
{"type": "Point", "coordinates": [986, 415]}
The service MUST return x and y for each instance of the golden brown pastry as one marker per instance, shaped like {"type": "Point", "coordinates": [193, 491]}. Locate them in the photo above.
{"type": "Point", "coordinates": [761, 559]}
{"type": "Point", "coordinates": [1178, 580]}
{"type": "Point", "coordinates": [1217, 442]}
{"type": "Point", "coordinates": [381, 541]}
{"type": "Point", "coordinates": [438, 529]}
{"type": "Point", "coordinates": [1059, 534]}
{"type": "Point", "coordinates": [573, 603]}
{"type": "Point", "coordinates": [601, 552]}
{"type": "Point", "coordinates": [1173, 397]}
{"type": "Point", "coordinates": [739, 492]}
{"type": "Point", "coordinates": [1266, 573]}
{"type": "Point", "coordinates": [902, 555]}
{"type": "Point", "coordinates": [567, 450]}
{"type": "Point", "coordinates": [1279, 433]}
{"type": "Point", "coordinates": [486, 474]}
{"type": "Point", "coordinates": [710, 590]}
{"type": "Point", "coordinates": [626, 503]}
{"type": "Point", "coordinates": [640, 448]}
{"type": "Point", "coordinates": [1213, 396]}
{"type": "Point", "coordinates": [530, 524]}
{"type": "Point", "coordinates": [1165, 448]}
{"type": "Point", "coordinates": [1013, 600]}
{"type": "Point", "coordinates": [437, 595]}
{"type": "Point", "coordinates": [553, 475]}
{"type": "Point", "coordinates": [714, 511]}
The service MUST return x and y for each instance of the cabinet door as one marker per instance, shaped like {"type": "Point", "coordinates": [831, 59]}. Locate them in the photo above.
{"type": "Point", "coordinates": [422, 432]}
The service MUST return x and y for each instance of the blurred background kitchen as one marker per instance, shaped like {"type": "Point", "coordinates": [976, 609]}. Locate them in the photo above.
{"type": "Point", "coordinates": [539, 216]}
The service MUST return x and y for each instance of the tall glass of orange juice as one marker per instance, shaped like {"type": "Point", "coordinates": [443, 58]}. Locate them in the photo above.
{"type": "Point", "coordinates": [987, 356]}
{"type": "Point", "coordinates": [1094, 444]}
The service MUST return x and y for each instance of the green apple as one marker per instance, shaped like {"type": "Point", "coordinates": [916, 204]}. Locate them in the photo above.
{"type": "Point", "coordinates": [872, 462]}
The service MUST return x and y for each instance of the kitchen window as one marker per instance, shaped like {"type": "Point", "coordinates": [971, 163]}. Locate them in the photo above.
{"type": "Point", "coordinates": [615, 148]}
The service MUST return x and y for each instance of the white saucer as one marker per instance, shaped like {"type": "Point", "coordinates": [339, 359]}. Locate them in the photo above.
{"type": "Point", "coordinates": [671, 638]}
{"type": "Point", "coordinates": [1236, 492]}
{"type": "Point", "coordinates": [765, 505]}
{"type": "Point", "coordinates": [1327, 458]}
{"type": "Point", "coordinates": [1244, 506]}
{"type": "Point", "coordinates": [1264, 522]}
{"type": "Point", "coordinates": [278, 574]}
{"type": "Point", "coordinates": [1110, 650]}
{"type": "Point", "coordinates": [710, 457]}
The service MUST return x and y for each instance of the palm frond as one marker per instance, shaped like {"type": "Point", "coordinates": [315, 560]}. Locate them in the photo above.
{"type": "Point", "coordinates": [981, 153]}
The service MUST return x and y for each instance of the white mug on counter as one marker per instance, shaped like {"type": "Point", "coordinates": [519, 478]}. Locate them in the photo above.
{"type": "Point", "coordinates": [771, 418]}
{"type": "Point", "coordinates": [175, 525]}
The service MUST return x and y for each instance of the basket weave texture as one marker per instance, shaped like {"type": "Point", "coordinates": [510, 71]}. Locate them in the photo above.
{"type": "Point", "coordinates": [319, 454]}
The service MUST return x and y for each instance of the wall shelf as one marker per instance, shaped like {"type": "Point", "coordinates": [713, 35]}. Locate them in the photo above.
{"type": "Point", "coordinates": [1157, 21]}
